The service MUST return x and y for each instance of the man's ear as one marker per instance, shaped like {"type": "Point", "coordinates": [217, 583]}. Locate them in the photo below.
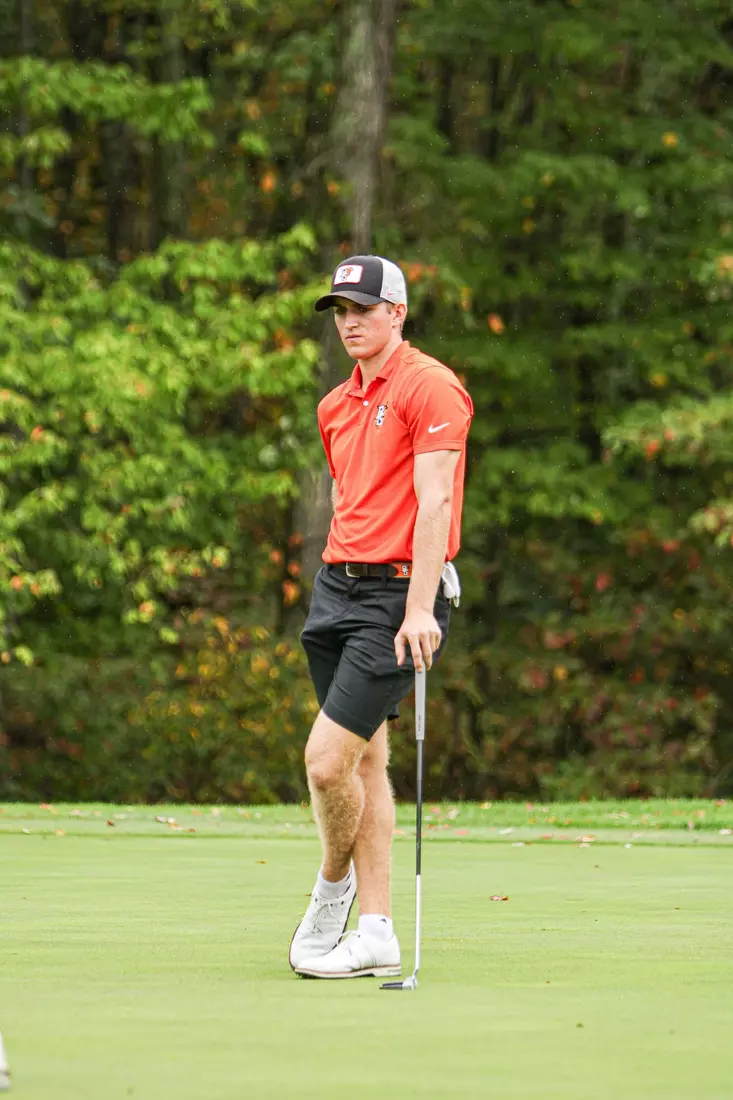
{"type": "Point", "coordinates": [399, 313]}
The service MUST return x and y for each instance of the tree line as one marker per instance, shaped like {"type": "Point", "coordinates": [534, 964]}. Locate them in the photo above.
{"type": "Point", "coordinates": [177, 179]}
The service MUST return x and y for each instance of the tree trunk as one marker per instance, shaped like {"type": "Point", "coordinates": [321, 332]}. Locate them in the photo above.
{"type": "Point", "coordinates": [356, 144]}
{"type": "Point", "coordinates": [314, 505]}
{"type": "Point", "coordinates": [361, 108]}
{"type": "Point", "coordinates": [168, 159]}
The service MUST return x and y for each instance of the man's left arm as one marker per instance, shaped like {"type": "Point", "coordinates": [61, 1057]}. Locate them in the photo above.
{"type": "Point", "coordinates": [434, 478]}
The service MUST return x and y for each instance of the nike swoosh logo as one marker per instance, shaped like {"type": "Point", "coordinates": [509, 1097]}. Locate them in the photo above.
{"type": "Point", "coordinates": [431, 429]}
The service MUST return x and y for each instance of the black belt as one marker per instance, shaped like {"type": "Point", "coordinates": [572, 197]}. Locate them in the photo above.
{"type": "Point", "coordinates": [370, 569]}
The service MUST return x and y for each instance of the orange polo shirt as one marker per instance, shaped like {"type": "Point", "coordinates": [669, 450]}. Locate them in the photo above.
{"type": "Point", "coordinates": [414, 405]}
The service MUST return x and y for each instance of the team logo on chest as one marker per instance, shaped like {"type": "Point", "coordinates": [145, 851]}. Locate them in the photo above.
{"type": "Point", "coordinates": [379, 418]}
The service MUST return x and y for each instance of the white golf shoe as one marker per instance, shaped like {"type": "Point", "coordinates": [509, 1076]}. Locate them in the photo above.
{"type": "Point", "coordinates": [322, 926]}
{"type": "Point", "coordinates": [4, 1070]}
{"type": "Point", "coordinates": [355, 956]}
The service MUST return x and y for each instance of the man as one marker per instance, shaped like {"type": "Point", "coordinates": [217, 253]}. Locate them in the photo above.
{"type": "Point", "coordinates": [394, 436]}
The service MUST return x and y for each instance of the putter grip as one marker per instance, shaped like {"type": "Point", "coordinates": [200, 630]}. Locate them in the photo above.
{"type": "Point", "coordinates": [420, 678]}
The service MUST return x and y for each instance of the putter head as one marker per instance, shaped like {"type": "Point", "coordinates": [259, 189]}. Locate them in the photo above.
{"type": "Point", "coordinates": [408, 983]}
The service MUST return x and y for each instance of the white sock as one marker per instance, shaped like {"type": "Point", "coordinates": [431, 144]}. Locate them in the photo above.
{"type": "Point", "coordinates": [330, 891]}
{"type": "Point", "coordinates": [375, 925]}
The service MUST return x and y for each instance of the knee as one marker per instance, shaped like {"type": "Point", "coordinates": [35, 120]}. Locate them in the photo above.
{"type": "Point", "coordinates": [373, 768]}
{"type": "Point", "coordinates": [324, 770]}
{"type": "Point", "coordinates": [331, 754]}
{"type": "Point", "coordinates": [375, 760]}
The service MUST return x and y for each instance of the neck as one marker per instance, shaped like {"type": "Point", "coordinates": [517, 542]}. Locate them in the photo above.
{"type": "Point", "coordinates": [371, 367]}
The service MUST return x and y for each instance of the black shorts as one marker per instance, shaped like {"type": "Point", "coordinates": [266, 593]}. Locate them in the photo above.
{"type": "Point", "coordinates": [349, 641]}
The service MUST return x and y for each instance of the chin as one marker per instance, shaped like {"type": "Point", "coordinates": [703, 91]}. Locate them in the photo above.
{"type": "Point", "coordinates": [365, 351]}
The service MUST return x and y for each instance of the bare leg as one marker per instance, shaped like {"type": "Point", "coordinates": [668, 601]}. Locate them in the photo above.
{"type": "Point", "coordinates": [373, 841]}
{"type": "Point", "coordinates": [332, 756]}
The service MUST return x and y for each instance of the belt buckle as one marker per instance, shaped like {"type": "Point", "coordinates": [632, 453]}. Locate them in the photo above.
{"type": "Point", "coordinates": [347, 567]}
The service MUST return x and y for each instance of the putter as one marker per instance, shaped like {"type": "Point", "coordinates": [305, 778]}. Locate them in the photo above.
{"type": "Point", "coordinates": [411, 982]}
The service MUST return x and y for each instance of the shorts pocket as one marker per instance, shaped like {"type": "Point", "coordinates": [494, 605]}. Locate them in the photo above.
{"type": "Point", "coordinates": [372, 651]}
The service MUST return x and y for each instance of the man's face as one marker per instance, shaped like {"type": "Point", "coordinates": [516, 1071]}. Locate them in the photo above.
{"type": "Point", "coordinates": [366, 330]}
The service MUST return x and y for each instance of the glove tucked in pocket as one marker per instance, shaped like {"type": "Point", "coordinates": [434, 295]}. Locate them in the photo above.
{"type": "Point", "coordinates": [451, 583]}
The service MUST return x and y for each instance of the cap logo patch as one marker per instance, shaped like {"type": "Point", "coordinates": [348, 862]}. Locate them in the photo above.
{"type": "Point", "coordinates": [348, 273]}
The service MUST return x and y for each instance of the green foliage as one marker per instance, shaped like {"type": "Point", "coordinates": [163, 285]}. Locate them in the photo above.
{"type": "Point", "coordinates": [98, 91]}
{"type": "Point", "coordinates": [142, 417]}
{"type": "Point", "coordinates": [573, 174]}
{"type": "Point", "coordinates": [220, 720]}
{"type": "Point", "coordinates": [556, 180]}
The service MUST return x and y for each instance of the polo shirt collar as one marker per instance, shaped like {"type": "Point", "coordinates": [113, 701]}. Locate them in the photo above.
{"type": "Point", "coordinates": [357, 382]}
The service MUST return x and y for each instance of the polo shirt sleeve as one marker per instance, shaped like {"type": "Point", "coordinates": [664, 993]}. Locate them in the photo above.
{"type": "Point", "coordinates": [438, 412]}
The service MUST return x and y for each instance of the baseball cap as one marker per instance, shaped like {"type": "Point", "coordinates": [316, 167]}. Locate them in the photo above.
{"type": "Point", "coordinates": [366, 280]}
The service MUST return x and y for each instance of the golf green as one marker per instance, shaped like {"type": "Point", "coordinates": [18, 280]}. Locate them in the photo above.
{"type": "Point", "coordinates": [155, 967]}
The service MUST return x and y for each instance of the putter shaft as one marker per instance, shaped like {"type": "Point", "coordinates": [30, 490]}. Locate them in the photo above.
{"type": "Point", "coordinates": [411, 982]}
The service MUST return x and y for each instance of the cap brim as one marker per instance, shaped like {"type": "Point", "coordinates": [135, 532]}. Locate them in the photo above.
{"type": "Point", "coordinates": [353, 296]}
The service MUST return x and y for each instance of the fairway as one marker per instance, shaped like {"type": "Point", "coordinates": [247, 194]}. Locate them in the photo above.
{"type": "Point", "coordinates": [154, 966]}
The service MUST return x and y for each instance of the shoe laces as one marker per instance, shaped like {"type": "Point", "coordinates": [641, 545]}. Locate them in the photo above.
{"type": "Point", "coordinates": [325, 906]}
{"type": "Point", "coordinates": [343, 940]}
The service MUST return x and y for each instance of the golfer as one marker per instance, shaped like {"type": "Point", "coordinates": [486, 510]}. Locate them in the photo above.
{"type": "Point", "coordinates": [394, 436]}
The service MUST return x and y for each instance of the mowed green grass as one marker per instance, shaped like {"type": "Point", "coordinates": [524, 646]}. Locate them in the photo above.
{"type": "Point", "coordinates": [155, 967]}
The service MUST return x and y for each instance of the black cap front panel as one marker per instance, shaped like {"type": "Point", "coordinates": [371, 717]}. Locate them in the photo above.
{"type": "Point", "coordinates": [359, 279]}
{"type": "Point", "coordinates": [363, 273]}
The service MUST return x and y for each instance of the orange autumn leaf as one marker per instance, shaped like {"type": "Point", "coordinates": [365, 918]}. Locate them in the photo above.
{"type": "Point", "coordinates": [283, 340]}
{"type": "Point", "coordinates": [268, 183]}
{"type": "Point", "coordinates": [291, 592]}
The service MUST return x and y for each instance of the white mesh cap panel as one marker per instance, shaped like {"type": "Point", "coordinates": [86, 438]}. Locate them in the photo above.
{"type": "Point", "coordinates": [394, 288]}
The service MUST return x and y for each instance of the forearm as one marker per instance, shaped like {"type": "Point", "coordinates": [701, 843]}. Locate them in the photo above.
{"type": "Point", "coordinates": [430, 541]}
